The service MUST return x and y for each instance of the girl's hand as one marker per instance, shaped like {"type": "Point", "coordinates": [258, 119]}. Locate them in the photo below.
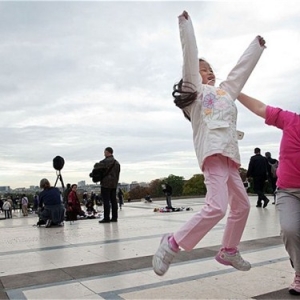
{"type": "Point", "coordinates": [185, 15]}
{"type": "Point", "coordinates": [261, 41]}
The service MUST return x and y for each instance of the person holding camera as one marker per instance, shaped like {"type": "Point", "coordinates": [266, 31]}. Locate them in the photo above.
{"type": "Point", "coordinates": [107, 171]}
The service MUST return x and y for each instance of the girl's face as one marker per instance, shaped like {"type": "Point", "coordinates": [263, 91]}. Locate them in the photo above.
{"type": "Point", "coordinates": [207, 74]}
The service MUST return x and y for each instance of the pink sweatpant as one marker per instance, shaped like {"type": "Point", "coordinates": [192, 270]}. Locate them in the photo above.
{"type": "Point", "coordinates": [224, 186]}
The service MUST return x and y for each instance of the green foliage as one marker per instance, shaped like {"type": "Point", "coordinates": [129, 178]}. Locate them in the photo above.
{"type": "Point", "coordinates": [194, 186]}
{"type": "Point", "coordinates": [191, 187]}
{"type": "Point", "coordinates": [243, 174]}
{"type": "Point", "coordinates": [126, 195]}
{"type": "Point", "coordinates": [176, 182]}
{"type": "Point", "coordinates": [155, 189]}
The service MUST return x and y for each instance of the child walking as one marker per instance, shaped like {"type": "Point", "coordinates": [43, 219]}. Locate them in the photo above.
{"type": "Point", "coordinates": [288, 178]}
{"type": "Point", "coordinates": [213, 115]}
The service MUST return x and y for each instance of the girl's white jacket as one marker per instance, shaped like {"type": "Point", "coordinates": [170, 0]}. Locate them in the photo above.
{"type": "Point", "coordinates": [213, 114]}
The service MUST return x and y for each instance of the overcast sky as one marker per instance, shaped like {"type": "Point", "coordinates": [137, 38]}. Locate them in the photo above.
{"type": "Point", "coordinates": [76, 77]}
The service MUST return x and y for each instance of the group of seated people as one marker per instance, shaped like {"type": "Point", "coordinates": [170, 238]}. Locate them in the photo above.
{"type": "Point", "coordinates": [52, 211]}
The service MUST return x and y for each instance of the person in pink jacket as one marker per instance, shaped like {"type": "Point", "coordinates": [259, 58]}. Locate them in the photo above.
{"type": "Point", "coordinates": [212, 113]}
{"type": "Point", "coordinates": [288, 177]}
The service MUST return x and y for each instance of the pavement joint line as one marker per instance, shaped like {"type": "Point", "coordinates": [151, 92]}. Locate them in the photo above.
{"type": "Point", "coordinates": [124, 265]}
{"type": "Point", "coordinates": [18, 293]}
{"type": "Point", "coordinates": [77, 245]}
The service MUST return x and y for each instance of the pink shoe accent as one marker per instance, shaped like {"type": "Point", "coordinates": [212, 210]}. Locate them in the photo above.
{"type": "Point", "coordinates": [231, 250]}
{"type": "Point", "coordinates": [173, 244]}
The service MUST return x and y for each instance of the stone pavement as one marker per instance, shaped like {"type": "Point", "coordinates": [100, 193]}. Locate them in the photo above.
{"type": "Point", "coordinates": [88, 260]}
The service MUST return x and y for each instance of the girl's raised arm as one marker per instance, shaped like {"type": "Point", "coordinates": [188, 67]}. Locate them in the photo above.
{"type": "Point", "coordinates": [239, 75]}
{"type": "Point", "coordinates": [190, 69]}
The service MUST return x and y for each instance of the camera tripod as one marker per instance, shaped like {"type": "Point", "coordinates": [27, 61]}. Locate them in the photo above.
{"type": "Point", "coordinates": [59, 176]}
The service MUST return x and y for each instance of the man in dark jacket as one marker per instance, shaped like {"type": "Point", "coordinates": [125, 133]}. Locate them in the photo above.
{"type": "Point", "coordinates": [109, 185]}
{"type": "Point", "coordinates": [272, 165]}
{"type": "Point", "coordinates": [167, 189]}
{"type": "Point", "coordinates": [257, 169]}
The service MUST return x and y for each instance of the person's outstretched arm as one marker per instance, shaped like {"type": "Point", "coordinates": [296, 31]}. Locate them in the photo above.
{"type": "Point", "coordinates": [239, 75]}
{"type": "Point", "coordinates": [190, 69]}
{"type": "Point", "coordinates": [256, 106]}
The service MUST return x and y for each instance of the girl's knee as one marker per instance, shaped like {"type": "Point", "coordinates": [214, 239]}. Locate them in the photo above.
{"type": "Point", "coordinates": [219, 213]}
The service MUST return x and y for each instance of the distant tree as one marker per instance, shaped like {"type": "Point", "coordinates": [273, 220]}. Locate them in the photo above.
{"type": "Point", "coordinates": [243, 173]}
{"type": "Point", "coordinates": [155, 189]}
{"type": "Point", "coordinates": [126, 195]}
{"type": "Point", "coordinates": [176, 182]}
{"type": "Point", "coordinates": [138, 192]}
{"type": "Point", "coordinates": [194, 186]}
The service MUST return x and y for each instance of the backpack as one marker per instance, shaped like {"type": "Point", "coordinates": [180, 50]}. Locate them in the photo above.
{"type": "Point", "coordinates": [6, 206]}
{"type": "Point", "coordinates": [274, 168]}
{"type": "Point", "coordinates": [98, 172]}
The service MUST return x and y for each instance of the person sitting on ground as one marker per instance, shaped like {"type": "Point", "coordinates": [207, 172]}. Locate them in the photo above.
{"type": "Point", "coordinates": [85, 198]}
{"type": "Point", "coordinates": [51, 210]}
{"type": "Point", "coordinates": [74, 206]}
{"type": "Point", "coordinates": [148, 198]}
{"type": "Point", "coordinates": [90, 210]}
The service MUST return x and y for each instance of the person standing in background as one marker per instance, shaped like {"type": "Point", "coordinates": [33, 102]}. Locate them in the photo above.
{"type": "Point", "coordinates": [66, 194]}
{"type": "Point", "coordinates": [121, 198]}
{"type": "Point", "coordinates": [24, 202]}
{"type": "Point", "coordinates": [167, 189]}
{"type": "Point", "coordinates": [11, 204]}
{"type": "Point", "coordinates": [257, 169]}
{"type": "Point", "coordinates": [6, 208]}
{"type": "Point", "coordinates": [272, 173]}
{"type": "Point", "coordinates": [109, 185]}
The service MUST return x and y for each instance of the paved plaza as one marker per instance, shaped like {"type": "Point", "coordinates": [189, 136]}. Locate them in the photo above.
{"type": "Point", "coordinates": [88, 260]}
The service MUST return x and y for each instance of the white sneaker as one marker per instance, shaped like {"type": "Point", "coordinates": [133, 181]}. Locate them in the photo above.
{"type": "Point", "coordinates": [163, 256]}
{"type": "Point", "coordinates": [48, 223]}
{"type": "Point", "coordinates": [234, 260]}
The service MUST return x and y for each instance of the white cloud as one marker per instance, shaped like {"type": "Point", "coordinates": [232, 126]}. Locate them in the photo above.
{"type": "Point", "coordinates": [79, 76]}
